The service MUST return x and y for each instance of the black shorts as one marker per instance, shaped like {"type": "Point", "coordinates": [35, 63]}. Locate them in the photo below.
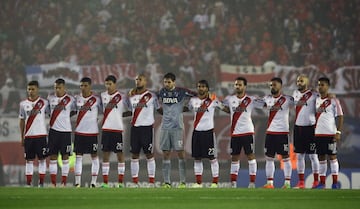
{"type": "Point", "coordinates": [112, 141]}
{"type": "Point", "coordinates": [85, 144]}
{"type": "Point", "coordinates": [141, 138]}
{"type": "Point", "coordinates": [59, 142]}
{"type": "Point", "coordinates": [35, 147]}
{"type": "Point", "coordinates": [239, 142]}
{"type": "Point", "coordinates": [304, 139]}
{"type": "Point", "coordinates": [326, 146]}
{"type": "Point", "coordinates": [203, 144]}
{"type": "Point", "coordinates": [276, 144]}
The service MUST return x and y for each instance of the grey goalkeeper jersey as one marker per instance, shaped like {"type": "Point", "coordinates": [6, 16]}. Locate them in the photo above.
{"type": "Point", "coordinates": [173, 103]}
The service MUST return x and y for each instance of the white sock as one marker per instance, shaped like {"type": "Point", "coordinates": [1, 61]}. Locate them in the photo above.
{"type": "Point", "coordinates": [29, 168]}
{"type": "Point", "coordinates": [121, 168]}
{"type": "Point", "coordinates": [234, 167]}
{"type": "Point", "coordinates": [269, 167]}
{"type": "Point", "coordinates": [334, 166]}
{"type": "Point", "coordinates": [182, 170]}
{"type": "Point", "coordinates": [105, 168]}
{"type": "Point", "coordinates": [252, 167]}
{"type": "Point", "coordinates": [300, 163]}
{"type": "Point", "coordinates": [198, 167]}
{"type": "Point", "coordinates": [42, 166]}
{"type": "Point", "coordinates": [287, 168]}
{"type": "Point", "coordinates": [134, 166]}
{"type": "Point", "coordinates": [65, 168]}
{"type": "Point", "coordinates": [214, 164]}
{"type": "Point", "coordinates": [151, 167]}
{"type": "Point", "coordinates": [78, 169]}
{"type": "Point", "coordinates": [53, 167]}
{"type": "Point", "coordinates": [95, 165]}
{"type": "Point", "coordinates": [314, 163]}
{"type": "Point", "coordinates": [322, 168]}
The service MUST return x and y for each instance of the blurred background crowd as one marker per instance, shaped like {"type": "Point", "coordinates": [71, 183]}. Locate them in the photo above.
{"type": "Point", "coordinates": [187, 37]}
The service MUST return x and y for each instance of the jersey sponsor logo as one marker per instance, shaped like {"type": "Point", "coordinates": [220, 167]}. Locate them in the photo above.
{"type": "Point", "coordinates": [303, 101]}
{"type": "Point", "coordinates": [85, 108]}
{"type": "Point", "coordinates": [241, 108]}
{"type": "Point", "coordinates": [33, 113]}
{"type": "Point", "coordinates": [275, 108]}
{"type": "Point", "coordinates": [111, 105]}
{"type": "Point", "coordinates": [168, 100]}
{"type": "Point", "coordinates": [139, 106]}
{"type": "Point", "coordinates": [322, 109]}
{"type": "Point", "coordinates": [58, 108]}
{"type": "Point", "coordinates": [201, 110]}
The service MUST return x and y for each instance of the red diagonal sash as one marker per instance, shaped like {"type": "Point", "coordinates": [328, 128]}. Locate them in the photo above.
{"type": "Point", "coordinates": [321, 109]}
{"type": "Point", "coordinates": [58, 108]}
{"type": "Point", "coordinates": [113, 102]}
{"type": "Point", "coordinates": [274, 109]}
{"type": "Point", "coordinates": [33, 113]}
{"type": "Point", "coordinates": [142, 103]}
{"type": "Point", "coordinates": [84, 109]}
{"type": "Point", "coordinates": [202, 109]}
{"type": "Point", "coordinates": [305, 97]}
{"type": "Point", "coordinates": [242, 106]}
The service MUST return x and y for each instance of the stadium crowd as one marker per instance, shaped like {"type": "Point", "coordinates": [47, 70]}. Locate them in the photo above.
{"type": "Point", "coordinates": [187, 37]}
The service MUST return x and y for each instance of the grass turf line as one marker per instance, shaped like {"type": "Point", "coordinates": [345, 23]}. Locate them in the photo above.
{"type": "Point", "coordinates": [158, 198]}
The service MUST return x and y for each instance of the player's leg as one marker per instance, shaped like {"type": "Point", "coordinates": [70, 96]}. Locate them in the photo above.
{"type": "Point", "coordinates": [178, 145]}
{"type": "Point", "coordinates": [65, 150]}
{"type": "Point", "coordinates": [235, 160]}
{"type": "Point", "coordinates": [165, 146]}
{"type": "Point", "coordinates": [147, 145]}
{"type": "Point", "coordinates": [79, 149]}
{"type": "Point", "coordinates": [135, 148]}
{"type": "Point", "coordinates": [29, 157]}
{"type": "Point", "coordinates": [196, 154]}
{"type": "Point", "coordinates": [95, 164]}
{"type": "Point", "coordinates": [249, 149]}
{"type": "Point", "coordinates": [300, 137]}
{"type": "Point", "coordinates": [41, 152]}
{"type": "Point", "coordinates": [54, 148]}
{"type": "Point", "coordinates": [212, 153]}
{"type": "Point", "coordinates": [269, 159]}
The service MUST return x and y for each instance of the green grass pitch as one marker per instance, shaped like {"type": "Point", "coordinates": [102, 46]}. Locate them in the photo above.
{"type": "Point", "coordinates": [158, 198]}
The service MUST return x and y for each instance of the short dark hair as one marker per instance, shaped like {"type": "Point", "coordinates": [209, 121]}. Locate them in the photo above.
{"type": "Point", "coordinates": [170, 76]}
{"type": "Point", "coordinates": [60, 81]}
{"type": "Point", "coordinates": [204, 82]}
{"type": "Point", "coordinates": [277, 79]}
{"type": "Point", "coordinates": [33, 83]}
{"type": "Point", "coordinates": [86, 80]}
{"type": "Point", "coordinates": [242, 79]}
{"type": "Point", "coordinates": [325, 79]}
{"type": "Point", "coordinates": [110, 78]}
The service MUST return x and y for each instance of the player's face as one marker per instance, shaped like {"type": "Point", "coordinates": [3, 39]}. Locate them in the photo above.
{"type": "Point", "coordinates": [239, 87]}
{"type": "Point", "coordinates": [85, 88]}
{"type": "Point", "coordinates": [323, 87]}
{"type": "Point", "coordinates": [140, 82]}
{"type": "Point", "coordinates": [33, 91]}
{"type": "Point", "coordinates": [275, 87]}
{"type": "Point", "coordinates": [202, 89]}
{"type": "Point", "coordinates": [302, 83]}
{"type": "Point", "coordinates": [59, 89]}
{"type": "Point", "coordinates": [169, 84]}
{"type": "Point", "coordinates": [110, 86]}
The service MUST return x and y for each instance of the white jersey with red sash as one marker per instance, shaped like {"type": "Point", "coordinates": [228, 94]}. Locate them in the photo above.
{"type": "Point", "coordinates": [113, 108]}
{"type": "Point", "coordinates": [87, 117]}
{"type": "Point", "coordinates": [326, 111]}
{"type": "Point", "coordinates": [240, 112]}
{"type": "Point", "coordinates": [34, 112]}
{"type": "Point", "coordinates": [305, 107]}
{"type": "Point", "coordinates": [142, 107]}
{"type": "Point", "coordinates": [279, 107]}
{"type": "Point", "coordinates": [60, 112]}
{"type": "Point", "coordinates": [204, 110]}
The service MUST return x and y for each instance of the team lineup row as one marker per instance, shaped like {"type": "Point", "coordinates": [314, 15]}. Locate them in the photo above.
{"type": "Point", "coordinates": [318, 125]}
